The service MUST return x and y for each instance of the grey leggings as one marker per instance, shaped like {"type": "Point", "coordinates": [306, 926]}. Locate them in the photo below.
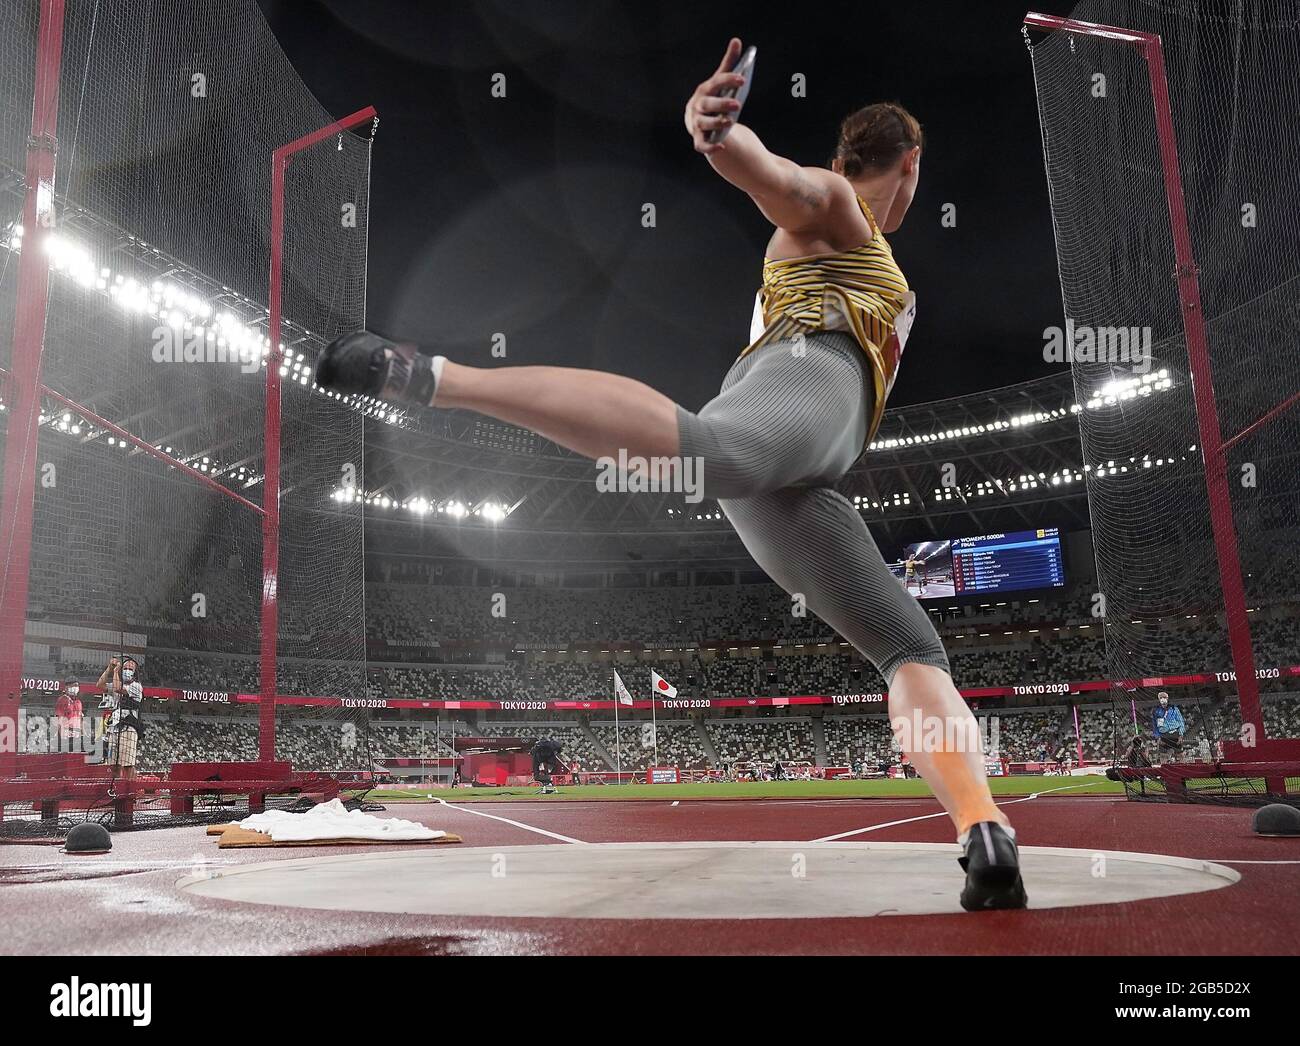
{"type": "Point", "coordinates": [789, 422]}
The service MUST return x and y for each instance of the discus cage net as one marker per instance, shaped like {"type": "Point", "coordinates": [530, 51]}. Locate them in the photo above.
{"type": "Point", "coordinates": [1172, 152]}
{"type": "Point", "coordinates": [182, 227]}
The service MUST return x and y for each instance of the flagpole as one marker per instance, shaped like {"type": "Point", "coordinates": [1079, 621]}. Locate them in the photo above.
{"type": "Point", "coordinates": [1078, 736]}
{"type": "Point", "coordinates": [654, 723]}
{"type": "Point", "coordinates": [618, 748]}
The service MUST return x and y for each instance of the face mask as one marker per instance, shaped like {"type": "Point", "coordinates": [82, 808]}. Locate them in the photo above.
{"type": "Point", "coordinates": [73, 691]}
{"type": "Point", "coordinates": [128, 674]}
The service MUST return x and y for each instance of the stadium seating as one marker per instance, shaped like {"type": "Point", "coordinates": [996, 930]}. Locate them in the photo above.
{"type": "Point", "coordinates": [443, 642]}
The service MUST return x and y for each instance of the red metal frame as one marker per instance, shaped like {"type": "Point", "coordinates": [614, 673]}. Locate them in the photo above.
{"type": "Point", "coordinates": [1189, 292]}
{"type": "Point", "coordinates": [24, 391]}
{"type": "Point", "coordinates": [51, 781]}
{"type": "Point", "coordinates": [1273, 769]}
{"type": "Point", "coordinates": [280, 160]}
{"type": "Point", "coordinates": [85, 412]}
{"type": "Point", "coordinates": [1260, 422]}
{"type": "Point", "coordinates": [17, 501]}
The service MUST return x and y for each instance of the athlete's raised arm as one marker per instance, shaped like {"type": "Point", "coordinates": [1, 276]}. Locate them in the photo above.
{"type": "Point", "coordinates": [798, 199]}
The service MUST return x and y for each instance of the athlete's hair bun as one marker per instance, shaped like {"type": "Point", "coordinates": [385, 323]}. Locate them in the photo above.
{"type": "Point", "coordinates": [875, 136]}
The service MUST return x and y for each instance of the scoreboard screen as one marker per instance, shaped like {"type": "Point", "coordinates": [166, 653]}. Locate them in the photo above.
{"type": "Point", "coordinates": [1007, 562]}
{"type": "Point", "coordinates": [1027, 559]}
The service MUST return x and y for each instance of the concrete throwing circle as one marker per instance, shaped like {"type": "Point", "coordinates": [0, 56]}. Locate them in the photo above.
{"type": "Point", "coordinates": [691, 880]}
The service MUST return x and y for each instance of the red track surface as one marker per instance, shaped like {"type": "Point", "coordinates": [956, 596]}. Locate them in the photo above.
{"type": "Point", "coordinates": [127, 903]}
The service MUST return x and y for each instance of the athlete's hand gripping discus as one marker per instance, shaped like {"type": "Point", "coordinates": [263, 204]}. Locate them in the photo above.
{"type": "Point", "coordinates": [365, 363]}
{"type": "Point", "coordinates": [744, 67]}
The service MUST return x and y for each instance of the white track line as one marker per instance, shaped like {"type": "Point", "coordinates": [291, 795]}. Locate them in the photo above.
{"type": "Point", "coordinates": [1066, 788]}
{"type": "Point", "coordinates": [1229, 860]}
{"type": "Point", "coordinates": [517, 824]}
{"type": "Point", "coordinates": [927, 817]}
{"type": "Point", "coordinates": [876, 827]}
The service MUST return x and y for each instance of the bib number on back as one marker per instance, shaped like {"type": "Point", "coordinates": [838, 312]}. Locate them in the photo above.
{"type": "Point", "coordinates": [903, 321]}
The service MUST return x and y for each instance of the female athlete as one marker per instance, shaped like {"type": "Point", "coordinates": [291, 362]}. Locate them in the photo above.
{"type": "Point", "coordinates": [795, 412]}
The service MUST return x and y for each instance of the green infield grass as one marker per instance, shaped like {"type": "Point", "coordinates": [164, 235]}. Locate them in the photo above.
{"type": "Point", "coordinates": [1001, 786]}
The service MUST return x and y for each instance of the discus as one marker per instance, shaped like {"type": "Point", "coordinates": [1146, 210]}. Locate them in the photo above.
{"type": "Point", "coordinates": [744, 67]}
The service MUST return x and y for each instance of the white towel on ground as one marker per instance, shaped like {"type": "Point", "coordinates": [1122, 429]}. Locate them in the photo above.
{"type": "Point", "coordinates": [334, 821]}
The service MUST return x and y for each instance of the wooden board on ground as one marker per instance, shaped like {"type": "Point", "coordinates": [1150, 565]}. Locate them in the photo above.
{"type": "Point", "coordinates": [234, 837]}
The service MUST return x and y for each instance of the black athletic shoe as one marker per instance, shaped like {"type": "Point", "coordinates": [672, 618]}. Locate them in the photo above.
{"type": "Point", "coordinates": [365, 363]}
{"type": "Point", "coordinates": [992, 866]}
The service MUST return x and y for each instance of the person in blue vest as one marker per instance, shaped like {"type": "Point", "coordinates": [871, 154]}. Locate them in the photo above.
{"type": "Point", "coordinates": [1169, 726]}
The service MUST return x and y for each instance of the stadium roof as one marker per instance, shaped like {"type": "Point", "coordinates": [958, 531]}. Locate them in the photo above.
{"type": "Point", "coordinates": [1006, 458]}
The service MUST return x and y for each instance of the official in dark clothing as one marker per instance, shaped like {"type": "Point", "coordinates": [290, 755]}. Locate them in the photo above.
{"type": "Point", "coordinates": [546, 760]}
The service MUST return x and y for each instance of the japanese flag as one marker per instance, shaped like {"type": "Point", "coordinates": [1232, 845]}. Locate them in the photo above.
{"type": "Point", "coordinates": [621, 691]}
{"type": "Point", "coordinates": [661, 686]}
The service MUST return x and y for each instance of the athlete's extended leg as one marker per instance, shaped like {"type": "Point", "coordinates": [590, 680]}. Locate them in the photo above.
{"type": "Point", "coordinates": [591, 412]}
{"type": "Point", "coordinates": [788, 412]}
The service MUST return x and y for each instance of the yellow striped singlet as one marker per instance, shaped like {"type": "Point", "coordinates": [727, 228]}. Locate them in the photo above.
{"type": "Point", "coordinates": [861, 291]}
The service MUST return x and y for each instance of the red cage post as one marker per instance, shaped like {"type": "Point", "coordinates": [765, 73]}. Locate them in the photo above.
{"type": "Point", "coordinates": [1207, 414]}
{"type": "Point", "coordinates": [280, 161]}
{"type": "Point", "coordinates": [22, 390]}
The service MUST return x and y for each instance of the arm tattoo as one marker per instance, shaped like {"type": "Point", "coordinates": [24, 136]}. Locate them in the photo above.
{"type": "Point", "coordinates": [808, 193]}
